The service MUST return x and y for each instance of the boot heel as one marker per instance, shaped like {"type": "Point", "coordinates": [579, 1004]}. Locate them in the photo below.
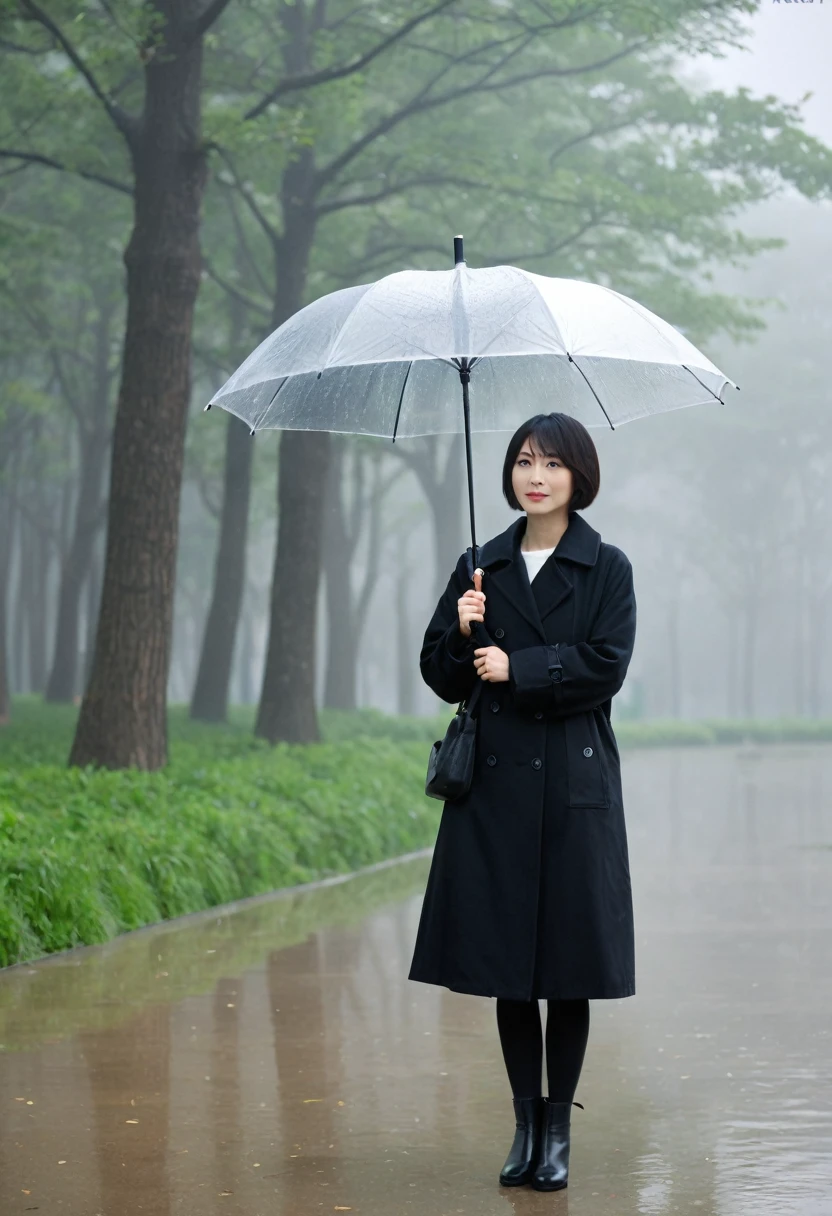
{"type": "Point", "coordinates": [551, 1173]}
{"type": "Point", "coordinates": [523, 1152]}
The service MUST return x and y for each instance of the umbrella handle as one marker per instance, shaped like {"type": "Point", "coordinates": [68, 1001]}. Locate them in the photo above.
{"type": "Point", "coordinates": [478, 627]}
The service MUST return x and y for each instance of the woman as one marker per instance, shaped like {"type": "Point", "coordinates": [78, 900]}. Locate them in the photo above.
{"type": "Point", "coordinates": [528, 896]}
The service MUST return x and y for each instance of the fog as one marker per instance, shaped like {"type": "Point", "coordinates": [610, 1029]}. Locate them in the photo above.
{"type": "Point", "coordinates": [724, 511]}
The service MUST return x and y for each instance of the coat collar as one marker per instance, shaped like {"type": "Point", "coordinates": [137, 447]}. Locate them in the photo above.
{"type": "Point", "coordinates": [579, 543]}
{"type": "Point", "coordinates": [506, 570]}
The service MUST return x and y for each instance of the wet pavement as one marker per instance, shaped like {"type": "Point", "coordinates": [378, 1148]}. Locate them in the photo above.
{"type": "Point", "coordinates": [275, 1061]}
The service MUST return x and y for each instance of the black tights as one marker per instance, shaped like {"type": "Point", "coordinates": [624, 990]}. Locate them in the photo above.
{"type": "Point", "coordinates": [521, 1038]}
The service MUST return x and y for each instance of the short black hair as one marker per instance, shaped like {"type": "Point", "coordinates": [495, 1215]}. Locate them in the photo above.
{"type": "Point", "coordinates": [562, 436]}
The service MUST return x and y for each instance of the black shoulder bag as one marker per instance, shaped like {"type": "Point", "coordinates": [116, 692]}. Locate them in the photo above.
{"type": "Point", "coordinates": [451, 760]}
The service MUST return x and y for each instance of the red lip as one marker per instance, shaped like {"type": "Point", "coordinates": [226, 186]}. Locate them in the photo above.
{"type": "Point", "coordinates": [537, 497]}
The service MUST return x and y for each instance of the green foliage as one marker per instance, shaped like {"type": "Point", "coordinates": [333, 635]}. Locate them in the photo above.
{"type": "Point", "coordinates": [86, 854]}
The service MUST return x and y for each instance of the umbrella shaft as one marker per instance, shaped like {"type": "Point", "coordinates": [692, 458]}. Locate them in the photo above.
{"type": "Point", "coordinates": [465, 376]}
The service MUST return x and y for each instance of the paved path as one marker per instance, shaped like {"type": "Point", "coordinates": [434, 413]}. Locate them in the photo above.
{"type": "Point", "coordinates": [275, 1061]}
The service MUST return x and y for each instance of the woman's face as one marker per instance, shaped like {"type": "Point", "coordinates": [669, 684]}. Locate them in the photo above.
{"type": "Point", "coordinates": [541, 483]}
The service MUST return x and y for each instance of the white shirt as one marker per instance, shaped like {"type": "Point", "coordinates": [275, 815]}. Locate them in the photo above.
{"type": "Point", "coordinates": [535, 559]}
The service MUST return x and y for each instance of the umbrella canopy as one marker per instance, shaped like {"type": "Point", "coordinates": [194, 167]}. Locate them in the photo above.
{"type": "Point", "coordinates": [384, 358]}
{"type": "Point", "coordinates": [388, 358]}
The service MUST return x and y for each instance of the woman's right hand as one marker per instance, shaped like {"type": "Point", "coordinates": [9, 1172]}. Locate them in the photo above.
{"type": "Point", "coordinates": [471, 607]}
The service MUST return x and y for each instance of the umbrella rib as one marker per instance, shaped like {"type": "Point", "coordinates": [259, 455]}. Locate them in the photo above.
{"type": "Point", "coordinates": [269, 406]}
{"type": "Point", "coordinates": [591, 389]}
{"type": "Point", "coordinates": [698, 381]}
{"type": "Point", "coordinates": [271, 403]}
{"type": "Point", "coordinates": [401, 399]}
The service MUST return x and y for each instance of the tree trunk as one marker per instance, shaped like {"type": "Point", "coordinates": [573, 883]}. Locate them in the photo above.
{"type": "Point", "coordinates": [338, 549]}
{"type": "Point", "coordinates": [7, 527]}
{"type": "Point", "coordinates": [37, 586]}
{"type": "Point", "coordinates": [93, 441]}
{"type": "Point", "coordinates": [123, 719]}
{"type": "Point", "coordinates": [451, 534]}
{"type": "Point", "coordinates": [406, 659]}
{"type": "Point", "coordinates": [93, 601]}
{"type": "Point", "coordinates": [287, 699]}
{"type": "Point", "coordinates": [210, 696]}
{"type": "Point", "coordinates": [442, 477]}
{"type": "Point", "coordinates": [75, 568]}
{"type": "Point", "coordinates": [212, 688]}
{"type": "Point", "coordinates": [19, 630]}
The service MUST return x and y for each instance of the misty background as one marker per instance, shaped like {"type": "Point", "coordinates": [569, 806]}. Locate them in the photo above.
{"type": "Point", "coordinates": [724, 511]}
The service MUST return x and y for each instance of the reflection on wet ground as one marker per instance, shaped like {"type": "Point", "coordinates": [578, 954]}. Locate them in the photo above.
{"type": "Point", "coordinates": [275, 1059]}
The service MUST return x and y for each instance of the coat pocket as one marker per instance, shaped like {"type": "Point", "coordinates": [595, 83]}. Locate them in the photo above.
{"type": "Point", "coordinates": [586, 770]}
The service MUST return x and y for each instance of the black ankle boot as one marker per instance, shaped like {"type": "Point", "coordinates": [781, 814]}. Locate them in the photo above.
{"type": "Point", "coordinates": [523, 1152]}
{"type": "Point", "coordinates": [552, 1169]}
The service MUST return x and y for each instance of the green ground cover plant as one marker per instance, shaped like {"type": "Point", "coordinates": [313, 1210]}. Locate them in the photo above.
{"type": "Point", "coordinates": [86, 854]}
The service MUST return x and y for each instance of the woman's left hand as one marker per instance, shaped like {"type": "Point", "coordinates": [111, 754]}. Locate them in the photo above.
{"type": "Point", "coordinates": [491, 664]}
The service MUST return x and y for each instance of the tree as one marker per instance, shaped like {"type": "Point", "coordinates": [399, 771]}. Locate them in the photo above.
{"type": "Point", "coordinates": [636, 185]}
{"type": "Point", "coordinates": [67, 302]}
{"type": "Point", "coordinates": [123, 720]}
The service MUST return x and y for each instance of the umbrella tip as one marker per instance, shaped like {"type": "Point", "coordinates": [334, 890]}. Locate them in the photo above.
{"type": "Point", "coordinates": [207, 407]}
{"type": "Point", "coordinates": [459, 257]}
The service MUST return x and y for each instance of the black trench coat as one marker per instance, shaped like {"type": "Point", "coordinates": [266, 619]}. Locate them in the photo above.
{"type": "Point", "coordinates": [528, 894]}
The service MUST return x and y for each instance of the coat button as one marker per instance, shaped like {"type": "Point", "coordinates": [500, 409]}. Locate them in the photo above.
{"type": "Point", "coordinates": [492, 760]}
{"type": "Point", "coordinates": [537, 763]}
{"type": "Point", "coordinates": [587, 751]}
{"type": "Point", "coordinates": [539, 714]}
{"type": "Point", "coordinates": [499, 633]}
{"type": "Point", "coordinates": [556, 675]}
{"type": "Point", "coordinates": [495, 707]}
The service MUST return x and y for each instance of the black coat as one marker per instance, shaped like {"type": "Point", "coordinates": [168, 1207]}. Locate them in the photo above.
{"type": "Point", "coordinates": [528, 894]}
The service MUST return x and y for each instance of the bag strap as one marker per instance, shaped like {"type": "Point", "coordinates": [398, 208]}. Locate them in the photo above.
{"type": "Point", "coordinates": [472, 700]}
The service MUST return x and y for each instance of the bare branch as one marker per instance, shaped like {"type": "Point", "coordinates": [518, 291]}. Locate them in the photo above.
{"type": "Point", "coordinates": [423, 102]}
{"type": "Point", "coordinates": [67, 391]}
{"type": "Point", "coordinates": [18, 49]}
{"type": "Point", "coordinates": [522, 256]}
{"type": "Point", "coordinates": [13, 171]}
{"type": "Point", "coordinates": [252, 262]}
{"type": "Point", "coordinates": [382, 253]}
{"type": "Point", "coordinates": [123, 121]}
{"type": "Point", "coordinates": [374, 543]}
{"type": "Point", "coordinates": [231, 290]}
{"type": "Point", "coordinates": [266, 224]}
{"type": "Point", "coordinates": [309, 80]}
{"type": "Point", "coordinates": [34, 158]}
{"type": "Point", "coordinates": [210, 15]}
{"type": "Point", "coordinates": [108, 9]}
{"type": "Point", "coordinates": [419, 103]}
{"type": "Point", "coordinates": [462, 183]}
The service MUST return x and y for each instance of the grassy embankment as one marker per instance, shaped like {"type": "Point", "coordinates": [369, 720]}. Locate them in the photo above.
{"type": "Point", "coordinates": [85, 855]}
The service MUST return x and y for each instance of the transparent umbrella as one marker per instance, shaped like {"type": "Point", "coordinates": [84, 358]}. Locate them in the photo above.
{"type": "Point", "coordinates": [389, 358]}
